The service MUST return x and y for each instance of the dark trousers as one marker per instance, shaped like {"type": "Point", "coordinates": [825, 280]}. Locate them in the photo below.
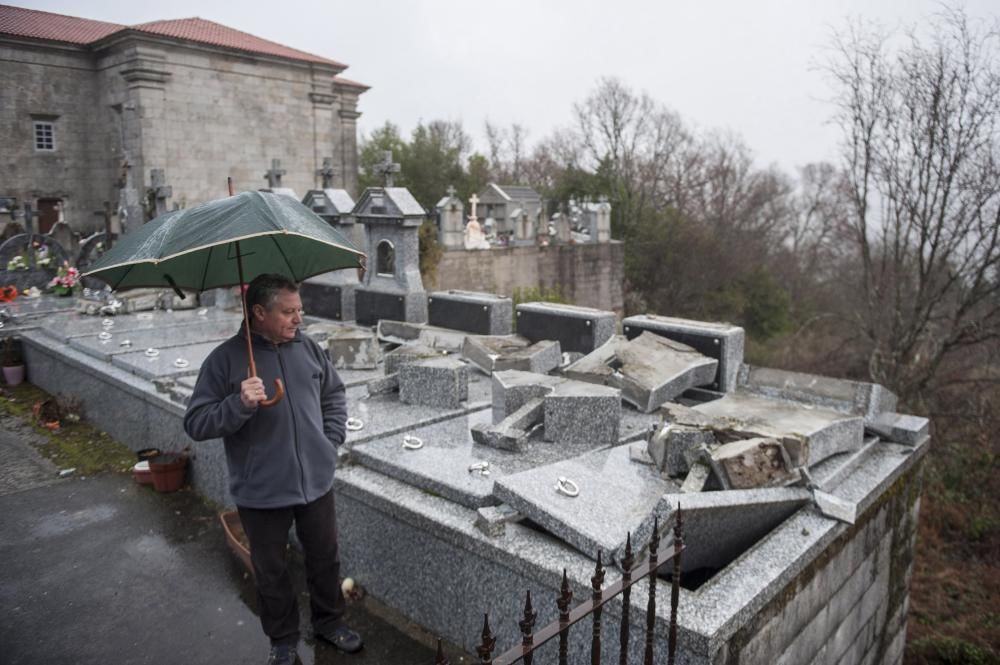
{"type": "Point", "coordinates": [267, 531]}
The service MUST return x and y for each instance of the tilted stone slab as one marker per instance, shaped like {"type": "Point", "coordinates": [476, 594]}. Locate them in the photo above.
{"type": "Point", "coordinates": [496, 353]}
{"type": "Point", "coordinates": [751, 463]}
{"type": "Point", "coordinates": [809, 435]}
{"type": "Point", "coordinates": [900, 428]}
{"type": "Point", "coordinates": [675, 447]}
{"type": "Point", "coordinates": [347, 347]}
{"type": "Point", "coordinates": [439, 382]}
{"type": "Point", "coordinates": [577, 329]}
{"type": "Point", "coordinates": [408, 353]}
{"type": "Point", "coordinates": [470, 311]}
{"type": "Point", "coordinates": [719, 526]}
{"type": "Point", "coordinates": [512, 388]}
{"type": "Point", "coordinates": [512, 432]}
{"type": "Point", "coordinates": [721, 341]}
{"type": "Point", "coordinates": [615, 497]}
{"type": "Point", "coordinates": [854, 397]}
{"type": "Point", "coordinates": [405, 332]}
{"type": "Point", "coordinates": [649, 369]}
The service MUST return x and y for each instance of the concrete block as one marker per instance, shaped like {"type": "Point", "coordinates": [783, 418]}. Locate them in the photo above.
{"type": "Point", "coordinates": [758, 462]}
{"type": "Point", "coordinates": [496, 353]}
{"type": "Point", "coordinates": [439, 382]}
{"type": "Point", "coordinates": [471, 311]}
{"type": "Point", "coordinates": [721, 341]}
{"type": "Point", "coordinates": [576, 412]}
{"type": "Point", "coordinates": [492, 520]}
{"type": "Point", "coordinates": [649, 369]}
{"type": "Point", "coordinates": [899, 428]}
{"type": "Point", "coordinates": [578, 329]}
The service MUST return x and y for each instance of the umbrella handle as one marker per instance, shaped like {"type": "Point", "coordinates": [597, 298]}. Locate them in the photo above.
{"type": "Point", "coordinates": [278, 394]}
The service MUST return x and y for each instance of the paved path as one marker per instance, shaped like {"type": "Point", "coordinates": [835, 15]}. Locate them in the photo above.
{"type": "Point", "coordinates": [102, 570]}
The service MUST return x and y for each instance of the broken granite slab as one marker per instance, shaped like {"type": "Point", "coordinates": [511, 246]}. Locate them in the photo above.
{"type": "Point", "coordinates": [495, 353]}
{"type": "Point", "coordinates": [577, 329]}
{"type": "Point", "coordinates": [721, 341]}
{"type": "Point", "coordinates": [648, 369]}
{"type": "Point", "coordinates": [440, 382]}
{"type": "Point", "coordinates": [348, 347]}
{"type": "Point", "coordinates": [492, 520]}
{"type": "Point", "coordinates": [470, 311]}
{"type": "Point", "coordinates": [750, 463]}
{"type": "Point", "coordinates": [900, 428]}
{"type": "Point", "coordinates": [615, 497]}
{"type": "Point", "coordinates": [808, 434]}
{"type": "Point", "coordinates": [408, 353]}
{"type": "Point", "coordinates": [405, 332]}
{"type": "Point", "coordinates": [855, 397]}
{"type": "Point", "coordinates": [512, 388]}
{"type": "Point", "coordinates": [512, 432]}
{"type": "Point", "coordinates": [696, 479]}
{"type": "Point", "coordinates": [674, 448]}
{"type": "Point", "coordinates": [719, 526]}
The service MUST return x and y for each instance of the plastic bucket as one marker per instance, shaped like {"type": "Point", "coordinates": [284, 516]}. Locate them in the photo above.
{"type": "Point", "coordinates": [168, 471]}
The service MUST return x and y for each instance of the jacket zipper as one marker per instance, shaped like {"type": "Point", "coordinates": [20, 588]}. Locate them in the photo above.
{"type": "Point", "coordinates": [295, 428]}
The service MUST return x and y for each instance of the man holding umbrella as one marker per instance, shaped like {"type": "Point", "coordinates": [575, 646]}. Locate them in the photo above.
{"type": "Point", "coordinates": [281, 459]}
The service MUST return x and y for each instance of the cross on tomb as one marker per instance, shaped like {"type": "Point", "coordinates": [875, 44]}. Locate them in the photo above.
{"type": "Point", "coordinates": [274, 174]}
{"type": "Point", "coordinates": [160, 191]}
{"type": "Point", "coordinates": [386, 167]}
{"type": "Point", "coordinates": [327, 172]}
{"type": "Point", "coordinates": [451, 191]}
{"type": "Point", "coordinates": [473, 200]}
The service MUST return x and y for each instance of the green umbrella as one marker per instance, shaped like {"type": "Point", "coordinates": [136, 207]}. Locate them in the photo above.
{"type": "Point", "coordinates": [227, 243]}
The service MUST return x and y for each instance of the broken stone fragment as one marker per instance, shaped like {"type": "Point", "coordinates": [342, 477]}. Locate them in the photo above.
{"type": "Point", "coordinates": [697, 478]}
{"type": "Point", "coordinates": [496, 353]}
{"type": "Point", "coordinates": [637, 453]}
{"type": "Point", "coordinates": [383, 385]}
{"type": "Point", "coordinates": [408, 353]}
{"type": "Point", "coordinates": [511, 432]}
{"type": "Point", "coordinates": [492, 520]}
{"type": "Point", "coordinates": [750, 463]}
{"type": "Point", "coordinates": [682, 445]}
{"type": "Point", "coordinates": [900, 428]}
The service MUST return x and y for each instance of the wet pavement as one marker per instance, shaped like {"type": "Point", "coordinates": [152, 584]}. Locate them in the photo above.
{"type": "Point", "coordinates": [103, 570]}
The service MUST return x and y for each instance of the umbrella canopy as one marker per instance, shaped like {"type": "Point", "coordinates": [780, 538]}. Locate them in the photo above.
{"type": "Point", "coordinates": [195, 248]}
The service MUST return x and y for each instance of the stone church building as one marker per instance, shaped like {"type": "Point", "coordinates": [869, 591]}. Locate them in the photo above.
{"type": "Point", "coordinates": [89, 108]}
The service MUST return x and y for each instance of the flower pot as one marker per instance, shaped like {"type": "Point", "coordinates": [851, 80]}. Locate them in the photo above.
{"type": "Point", "coordinates": [13, 375]}
{"type": "Point", "coordinates": [142, 474]}
{"type": "Point", "coordinates": [168, 471]}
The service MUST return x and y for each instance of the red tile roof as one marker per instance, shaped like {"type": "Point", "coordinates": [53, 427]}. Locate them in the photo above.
{"type": "Point", "coordinates": [34, 24]}
{"type": "Point", "coordinates": [349, 83]}
{"type": "Point", "coordinates": [55, 27]}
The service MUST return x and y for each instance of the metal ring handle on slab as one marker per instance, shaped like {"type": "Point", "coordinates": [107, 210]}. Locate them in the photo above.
{"type": "Point", "coordinates": [479, 466]}
{"type": "Point", "coordinates": [411, 442]}
{"type": "Point", "coordinates": [354, 424]}
{"type": "Point", "coordinates": [181, 363]}
{"type": "Point", "coordinates": [104, 335]}
{"type": "Point", "coordinates": [567, 487]}
{"type": "Point", "coordinates": [151, 352]}
{"type": "Point", "coordinates": [108, 323]}
{"type": "Point", "coordinates": [125, 342]}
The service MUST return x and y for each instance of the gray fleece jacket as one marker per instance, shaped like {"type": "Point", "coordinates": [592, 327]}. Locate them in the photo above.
{"type": "Point", "coordinates": [281, 455]}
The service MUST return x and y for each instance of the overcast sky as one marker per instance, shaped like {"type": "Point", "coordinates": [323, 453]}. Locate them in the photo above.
{"type": "Point", "coordinates": [747, 66]}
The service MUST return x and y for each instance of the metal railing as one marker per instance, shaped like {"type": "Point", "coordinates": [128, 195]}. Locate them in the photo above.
{"type": "Point", "coordinates": [532, 640]}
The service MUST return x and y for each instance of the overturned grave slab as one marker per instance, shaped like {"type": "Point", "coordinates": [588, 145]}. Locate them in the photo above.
{"type": "Point", "coordinates": [592, 502]}
{"type": "Point", "coordinates": [496, 353]}
{"type": "Point", "coordinates": [649, 369]}
{"type": "Point", "coordinates": [348, 347]}
{"type": "Point", "coordinates": [721, 341]}
{"type": "Point", "coordinates": [405, 332]}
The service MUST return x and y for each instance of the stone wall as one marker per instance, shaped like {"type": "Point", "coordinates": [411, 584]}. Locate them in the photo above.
{"type": "Point", "coordinates": [589, 275]}
{"type": "Point", "coordinates": [198, 112]}
{"type": "Point", "coordinates": [850, 605]}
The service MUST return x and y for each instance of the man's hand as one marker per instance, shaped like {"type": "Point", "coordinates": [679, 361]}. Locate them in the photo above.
{"type": "Point", "coordinates": [252, 392]}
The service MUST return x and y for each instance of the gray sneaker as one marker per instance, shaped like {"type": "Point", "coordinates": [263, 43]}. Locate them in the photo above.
{"type": "Point", "coordinates": [282, 654]}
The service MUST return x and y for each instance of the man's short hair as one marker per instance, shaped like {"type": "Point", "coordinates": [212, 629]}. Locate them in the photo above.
{"type": "Point", "coordinates": [264, 289]}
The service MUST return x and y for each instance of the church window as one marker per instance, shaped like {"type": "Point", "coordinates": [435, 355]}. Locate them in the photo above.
{"type": "Point", "coordinates": [385, 258]}
{"type": "Point", "coordinates": [45, 136]}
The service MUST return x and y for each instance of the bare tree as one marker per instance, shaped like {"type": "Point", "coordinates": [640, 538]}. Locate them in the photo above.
{"type": "Point", "coordinates": [921, 152]}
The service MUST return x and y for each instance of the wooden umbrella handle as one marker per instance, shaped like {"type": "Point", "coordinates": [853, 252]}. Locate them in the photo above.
{"type": "Point", "coordinates": [278, 394]}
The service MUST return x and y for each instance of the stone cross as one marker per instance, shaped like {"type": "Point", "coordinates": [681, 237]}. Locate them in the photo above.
{"type": "Point", "coordinates": [473, 200]}
{"type": "Point", "coordinates": [386, 167]}
{"type": "Point", "coordinates": [29, 228]}
{"type": "Point", "coordinates": [451, 191]}
{"type": "Point", "coordinates": [274, 174]}
{"type": "Point", "coordinates": [160, 191]}
{"type": "Point", "coordinates": [327, 172]}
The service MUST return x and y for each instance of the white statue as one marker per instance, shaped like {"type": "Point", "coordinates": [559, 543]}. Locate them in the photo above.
{"type": "Point", "coordinates": [474, 238]}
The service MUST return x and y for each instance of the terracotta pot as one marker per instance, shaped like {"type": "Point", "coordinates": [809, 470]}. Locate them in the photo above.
{"type": "Point", "coordinates": [13, 375]}
{"type": "Point", "coordinates": [168, 471]}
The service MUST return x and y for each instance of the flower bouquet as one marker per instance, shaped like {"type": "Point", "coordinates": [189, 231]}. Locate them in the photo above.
{"type": "Point", "coordinates": [66, 281]}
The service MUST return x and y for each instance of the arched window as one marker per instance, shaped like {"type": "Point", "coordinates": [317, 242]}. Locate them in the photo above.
{"type": "Point", "coordinates": [385, 258]}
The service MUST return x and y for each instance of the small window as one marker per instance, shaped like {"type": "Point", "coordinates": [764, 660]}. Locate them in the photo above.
{"type": "Point", "coordinates": [385, 258]}
{"type": "Point", "coordinates": [45, 136]}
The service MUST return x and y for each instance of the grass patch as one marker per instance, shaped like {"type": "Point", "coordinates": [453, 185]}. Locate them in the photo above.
{"type": "Point", "coordinates": [78, 445]}
{"type": "Point", "coordinates": [948, 651]}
